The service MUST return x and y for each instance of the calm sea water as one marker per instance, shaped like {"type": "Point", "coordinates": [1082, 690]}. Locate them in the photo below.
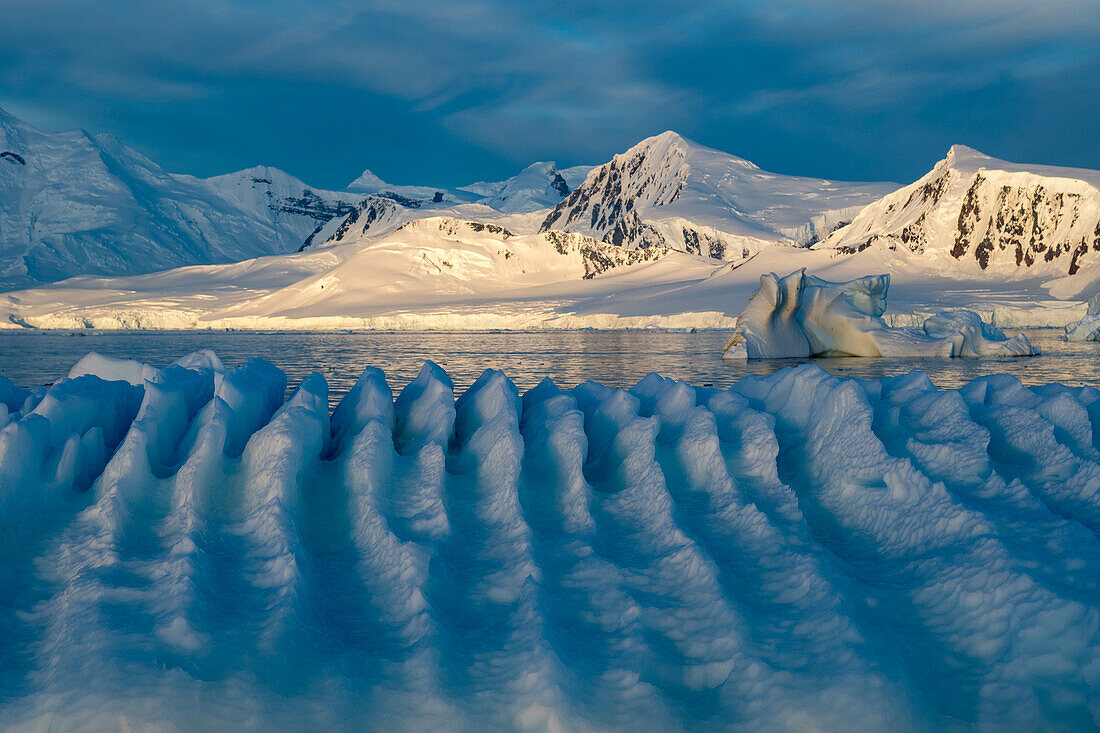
{"type": "Point", "coordinates": [617, 358]}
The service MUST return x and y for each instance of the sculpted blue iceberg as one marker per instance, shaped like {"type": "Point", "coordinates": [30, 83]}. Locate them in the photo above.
{"type": "Point", "coordinates": [183, 548]}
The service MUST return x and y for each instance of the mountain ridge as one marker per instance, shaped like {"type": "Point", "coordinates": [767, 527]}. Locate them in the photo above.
{"type": "Point", "coordinates": [982, 213]}
{"type": "Point", "coordinates": [76, 203]}
{"type": "Point", "coordinates": [669, 191]}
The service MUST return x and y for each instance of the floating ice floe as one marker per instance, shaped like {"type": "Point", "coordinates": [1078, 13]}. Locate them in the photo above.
{"type": "Point", "coordinates": [1088, 328]}
{"type": "Point", "coordinates": [802, 316]}
{"type": "Point", "coordinates": [184, 548]}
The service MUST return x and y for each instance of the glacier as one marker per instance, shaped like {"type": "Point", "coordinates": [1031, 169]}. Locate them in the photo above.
{"type": "Point", "coordinates": [802, 315]}
{"type": "Point", "coordinates": [186, 548]}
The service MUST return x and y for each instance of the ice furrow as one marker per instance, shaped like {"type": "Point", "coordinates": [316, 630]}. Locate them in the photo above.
{"type": "Point", "coordinates": [974, 622]}
{"type": "Point", "coordinates": [935, 431]}
{"type": "Point", "coordinates": [482, 586]}
{"type": "Point", "coordinates": [245, 400]}
{"type": "Point", "coordinates": [424, 423]}
{"type": "Point", "coordinates": [796, 617]}
{"type": "Point", "coordinates": [591, 622]}
{"type": "Point", "coordinates": [186, 548]}
{"type": "Point", "coordinates": [101, 564]}
{"type": "Point", "coordinates": [695, 635]}
{"type": "Point", "coordinates": [1025, 445]}
{"type": "Point", "coordinates": [275, 463]}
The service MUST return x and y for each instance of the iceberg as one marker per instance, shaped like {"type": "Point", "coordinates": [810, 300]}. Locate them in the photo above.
{"type": "Point", "coordinates": [1088, 328]}
{"type": "Point", "coordinates": [187, 548]}
{"type": "Point", "coordinates": [800, 316]}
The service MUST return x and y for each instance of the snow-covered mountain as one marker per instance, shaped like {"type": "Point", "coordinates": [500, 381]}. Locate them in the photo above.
{"type": "Point", "coordinates": [75, 203]}
{"type": "Point", "coordinates": [518, 203]}
{"type": "Point", "coordinates": [538, 186]}
{"type": "Point", "coordinates": [986, 215]}
{"type": "Point", "coordinates": [296, 212]}
{"type": "Point", "coordinates": [667, 191]}
{"type": "Point", "coordinates": [433, 272]}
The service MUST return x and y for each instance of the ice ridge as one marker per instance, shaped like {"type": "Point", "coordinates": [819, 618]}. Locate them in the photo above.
{"type": "Point", "coordinates": [183, 547]}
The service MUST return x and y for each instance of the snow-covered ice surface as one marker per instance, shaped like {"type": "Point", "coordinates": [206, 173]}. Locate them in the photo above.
{"type": "Point", "coordinates": [800, 315]}
{"type": "Point", "coordinates": [184, 548]}
{"type": "Point", "coordinates": [1088, 328]}
{"type": "Point", "coordinates": [448, 274]}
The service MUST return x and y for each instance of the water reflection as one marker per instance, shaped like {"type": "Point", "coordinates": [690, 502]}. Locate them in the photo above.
{"type": "Point", "coordinates": [618, 358]}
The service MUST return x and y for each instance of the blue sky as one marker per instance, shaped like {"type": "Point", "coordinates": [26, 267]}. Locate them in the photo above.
{"type": "Point", "coordinates": [451, 92]}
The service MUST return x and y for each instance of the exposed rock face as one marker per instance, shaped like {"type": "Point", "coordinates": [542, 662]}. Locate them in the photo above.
{"type": "Point", "coordinates": [668, 192]}
{"type": "Point", "coordinates": [598, 256]}
{"type": "Point", "coordinates": [652, 175]}
{"type": "Point", "coordinates": [371, 215]}
{"type": "Point", "coordinates": [539, 251]}
{"type": "Point", "coordinates": [988, 213]}
{"type": "Point", "coordinates": [450, 227]}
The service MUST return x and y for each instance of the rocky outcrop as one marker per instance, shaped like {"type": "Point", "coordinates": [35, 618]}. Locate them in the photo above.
{"type": "Point", "coordinates": [600, 257]}
{"type": "Point", "coordinates": [988, 214]}
{"type": "Point", "coordinates": [669, 192]}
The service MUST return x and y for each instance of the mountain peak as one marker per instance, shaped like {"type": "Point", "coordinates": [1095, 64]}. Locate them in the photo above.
{"type": "Point", "coordinates": [13, 124]}
{"type": "Point", "coordinates": [367, 182]}
{"type": "Point", "coordinates": [661, 144]}
{"type": "Point", "coordinates": [668, 136]}
{"type": "Point", "coordinates": [964, 156]}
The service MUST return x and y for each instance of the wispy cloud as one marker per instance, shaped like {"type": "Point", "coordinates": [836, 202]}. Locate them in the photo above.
{"type": "Point", "coordinates": [808, 85]}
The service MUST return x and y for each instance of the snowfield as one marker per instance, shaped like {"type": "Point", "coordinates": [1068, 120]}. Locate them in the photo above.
{"type": "Point", "coordinates": [183, 548]}
{"type": "Point", "coordinates": [442, 273]}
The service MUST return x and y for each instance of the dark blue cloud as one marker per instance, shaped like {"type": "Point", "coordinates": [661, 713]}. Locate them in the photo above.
{"type": "Point", "coordinates": [448, 92]}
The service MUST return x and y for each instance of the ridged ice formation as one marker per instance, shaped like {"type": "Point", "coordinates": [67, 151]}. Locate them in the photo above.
{"type": "Point", "coordinates": [185, 547]}
{"type": "Point", "coordinates": [1088, 328]}
{"type": "Point", "coordinates": [800, 315]}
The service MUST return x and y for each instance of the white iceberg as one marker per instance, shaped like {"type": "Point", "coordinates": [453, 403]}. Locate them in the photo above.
{"type": "Point", "coordinates": [802, 316]}
{"type": "Point", "coordinates": [1088, 328]}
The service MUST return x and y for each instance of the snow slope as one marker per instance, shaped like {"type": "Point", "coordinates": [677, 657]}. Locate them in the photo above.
{"type": "Point", "coordinates": [434, 272]}
{"type": "Point", "coordinates": [184, 548]}
{"type": "Point", "coordinates": [538, 186]}
{"type": "Point", "coordinates": [444, 273]}
{"type": "Point", "coordinates": [668, 191]}
{"type": "Point", "coordinates": [982, 215]}
{"type": "Point", "coordinates": [74, 203]}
